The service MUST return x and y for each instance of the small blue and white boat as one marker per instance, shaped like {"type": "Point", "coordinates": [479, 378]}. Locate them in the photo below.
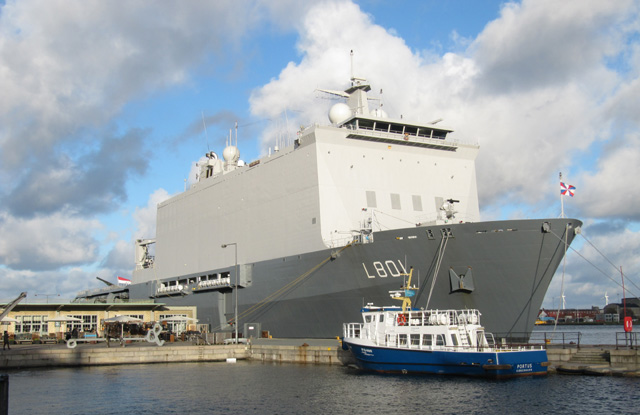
{"type": "Point", "coordinates": [447, 342]}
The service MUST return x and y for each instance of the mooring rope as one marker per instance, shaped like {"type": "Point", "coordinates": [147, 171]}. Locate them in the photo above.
{"type": "Point", "coordinates": [285, 289]}
{"type": "Point", "coordinates": [441, 249]}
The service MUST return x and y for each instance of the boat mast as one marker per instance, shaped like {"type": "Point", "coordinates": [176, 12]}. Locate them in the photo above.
{"type": "Point", "coordinates": [407, 292]}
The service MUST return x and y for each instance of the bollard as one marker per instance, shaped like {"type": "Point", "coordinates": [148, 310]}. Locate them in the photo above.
{"type": "Point", "coordinates": [4, 394]}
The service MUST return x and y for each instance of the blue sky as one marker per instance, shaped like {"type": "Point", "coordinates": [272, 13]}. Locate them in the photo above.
{"type": "Point", "coordinates": [101, 116]}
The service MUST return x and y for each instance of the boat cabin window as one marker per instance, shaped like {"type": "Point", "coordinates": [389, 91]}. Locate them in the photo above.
{"type": "Point", "coordinates": [381, 319]}
{"type": "Point", "coordinates": [415, 339]}
{"type": "Point", "coordinates": [427, 340]}
{"type": "Point", "coordinates": [439, 340]}
{"type": "Point", "coordinates": [367, 318]}
{"type": "Point", "coordinates": [402, 339]}
{"type": "Point", "coordinates": [454, 339]}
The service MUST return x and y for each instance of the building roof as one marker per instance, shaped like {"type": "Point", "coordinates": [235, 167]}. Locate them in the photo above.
{"type": "Point", "coordinates": [81, 306]}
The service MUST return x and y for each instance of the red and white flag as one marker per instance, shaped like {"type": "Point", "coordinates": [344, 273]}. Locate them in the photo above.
{"type": "Point", "coordinates": [123, 281]}
{"type": "Point", "coordinates": [567, 189]}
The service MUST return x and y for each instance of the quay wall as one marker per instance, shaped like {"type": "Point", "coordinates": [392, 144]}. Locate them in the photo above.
{"type": "Point", "coordinates": [332, 354]}
{"type": "Point", "coordinates": [57, 356]}
{"type": "Point", "coordinates": [93, 356]}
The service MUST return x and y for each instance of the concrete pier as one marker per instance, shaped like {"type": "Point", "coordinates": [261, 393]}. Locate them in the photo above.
{"type": "Point", "coordinates": [31, 356]}
{"type": "Point", "coordinates": [595, 360]}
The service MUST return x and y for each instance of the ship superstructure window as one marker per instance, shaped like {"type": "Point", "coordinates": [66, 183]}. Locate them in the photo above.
{"type": "Point", "coordinates": [417, 203]}
{"type": "Point", "coordinates": [395, 201]}
{"type": "Point", "coordinates": [371, 199]}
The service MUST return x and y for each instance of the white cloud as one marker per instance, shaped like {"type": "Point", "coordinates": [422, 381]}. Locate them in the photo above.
{"type": "Point", "coordinates": [45, 243]}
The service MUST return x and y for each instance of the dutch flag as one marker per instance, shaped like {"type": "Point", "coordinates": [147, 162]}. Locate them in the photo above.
{"type": "Point", "coordinates": [123, 281]}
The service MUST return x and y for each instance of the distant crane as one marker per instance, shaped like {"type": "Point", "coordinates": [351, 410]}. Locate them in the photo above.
{"type": "Point", "coordinates": [12, 304]}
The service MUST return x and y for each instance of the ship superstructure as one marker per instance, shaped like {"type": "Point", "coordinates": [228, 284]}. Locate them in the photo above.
{"type": "Point", "coordinates": [336, 217]}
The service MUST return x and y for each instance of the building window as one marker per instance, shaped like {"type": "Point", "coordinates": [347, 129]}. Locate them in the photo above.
{"type": "Point", "coordinates": [32, 324]}
{"type": "Point", "coordinates": [176, 327]}
{"type": "Point", "coordinates": [88, 323]}
{"type": "Point", "coordinates": [395, 201]}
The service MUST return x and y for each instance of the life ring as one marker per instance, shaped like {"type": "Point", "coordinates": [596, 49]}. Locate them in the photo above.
{"type": "Point", "coordinates": [406, 136]}
{"type": "Point", "coordinates": [402, 319]}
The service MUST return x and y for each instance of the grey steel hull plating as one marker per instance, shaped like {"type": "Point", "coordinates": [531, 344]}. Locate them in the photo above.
{"type": "Point", "coordinates": [312, 295]}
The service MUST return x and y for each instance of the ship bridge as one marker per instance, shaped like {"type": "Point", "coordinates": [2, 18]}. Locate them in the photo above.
{"type": "Point", "coordinates": [398, 132]}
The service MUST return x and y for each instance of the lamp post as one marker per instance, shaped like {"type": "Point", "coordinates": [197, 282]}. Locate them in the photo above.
{"type": "Point", "coordinates": [235, 246]}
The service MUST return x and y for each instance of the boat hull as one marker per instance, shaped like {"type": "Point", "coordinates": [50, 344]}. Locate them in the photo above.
{"type": "Point", "coordinates": [496, 365]}
{"type": "Point", "coordinates": [312, 294]}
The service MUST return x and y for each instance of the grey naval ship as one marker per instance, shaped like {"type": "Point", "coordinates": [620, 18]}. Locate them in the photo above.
{"type": "Point", "coordinates": [331, 222]}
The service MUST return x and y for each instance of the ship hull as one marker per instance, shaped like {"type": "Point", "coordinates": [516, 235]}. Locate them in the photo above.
{"type": "Point", "coordinates": [495, 365]}
{"type": "Point", "coordinates": [311, 295]}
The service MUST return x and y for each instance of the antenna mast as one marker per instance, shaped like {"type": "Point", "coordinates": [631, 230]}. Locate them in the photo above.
{"type": "Point", "coordinates": [561, 199]}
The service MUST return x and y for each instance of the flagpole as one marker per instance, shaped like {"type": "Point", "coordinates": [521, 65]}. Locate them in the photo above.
{"type": "Point", "coordinates": [561, 199]}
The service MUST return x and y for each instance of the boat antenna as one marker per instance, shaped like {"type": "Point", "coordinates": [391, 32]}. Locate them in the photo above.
{"type": "Point", "coordinates": [205, 130]}
{"type": "Point", "coordinates": [236, 134]}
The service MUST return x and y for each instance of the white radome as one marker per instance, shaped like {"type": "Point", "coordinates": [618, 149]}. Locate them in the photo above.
{"type": "Point", "coordinates": [339, 112]}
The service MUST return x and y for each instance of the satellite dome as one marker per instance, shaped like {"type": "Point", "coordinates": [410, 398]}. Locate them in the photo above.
{"type": "Point", "coordinates": [231, 154]}
{"type": "Point", "coordinates": [339, 112]}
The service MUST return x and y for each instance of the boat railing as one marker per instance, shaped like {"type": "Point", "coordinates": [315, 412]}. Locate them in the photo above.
{"type": "Point", "coordinates": [438, 317]}
{"type": "Point", "coordinates": [353, 330]}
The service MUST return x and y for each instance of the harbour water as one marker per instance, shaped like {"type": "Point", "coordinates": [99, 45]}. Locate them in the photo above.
{"type": "Point", "coordinates": [266, 388]}
{"type": "Point", "coordinates": [259, 388]}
